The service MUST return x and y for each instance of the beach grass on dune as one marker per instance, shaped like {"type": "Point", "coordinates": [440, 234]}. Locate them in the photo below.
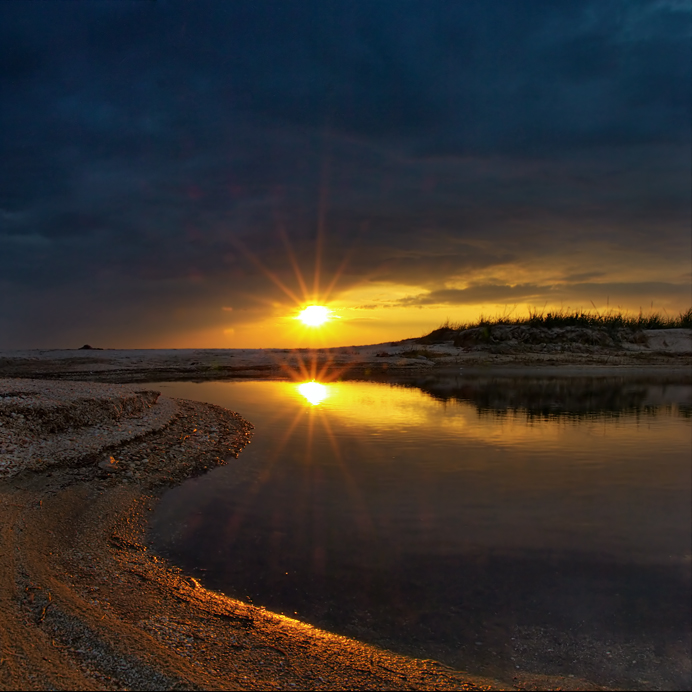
{"type": "Point", "coordinates": [610, 320]}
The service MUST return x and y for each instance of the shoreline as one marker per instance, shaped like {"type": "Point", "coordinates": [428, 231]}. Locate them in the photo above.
{"type": "Point", "coordinates": [92, 609]}
{"type": "Point", "coordinates": [85, 605]}
{"type": "Point", "coordinates": [661, 351]}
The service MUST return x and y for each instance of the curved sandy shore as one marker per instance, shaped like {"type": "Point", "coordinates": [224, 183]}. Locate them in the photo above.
{"type": "Point", "coordinates": [85, 606]}
{"type": "Point", "coordinates": [83, 603]}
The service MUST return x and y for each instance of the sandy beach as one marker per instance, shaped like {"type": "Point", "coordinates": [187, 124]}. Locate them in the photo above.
{"type": "Point", "coordinates": [85, 605]}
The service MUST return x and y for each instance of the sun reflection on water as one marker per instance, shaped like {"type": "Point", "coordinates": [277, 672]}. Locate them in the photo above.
{"type": "Point", "coordinates": [388, 451]}
{"type": "Point", "coordinates": [314, 392]}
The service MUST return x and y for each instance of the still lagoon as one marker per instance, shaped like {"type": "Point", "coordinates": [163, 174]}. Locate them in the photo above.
{"type": "Point", "coordinates": [498, 525]}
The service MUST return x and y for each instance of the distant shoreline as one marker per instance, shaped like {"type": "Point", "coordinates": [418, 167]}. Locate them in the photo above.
{"type": "Point", "coordinates": [662, 350]}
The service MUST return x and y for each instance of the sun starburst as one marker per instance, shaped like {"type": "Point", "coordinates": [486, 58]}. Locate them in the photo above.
{"type": "Point", "coordinates": [315, 315]}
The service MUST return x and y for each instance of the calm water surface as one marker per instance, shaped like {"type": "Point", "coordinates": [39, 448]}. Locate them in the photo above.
{"type": "Point", "coordinates": [500, 526]}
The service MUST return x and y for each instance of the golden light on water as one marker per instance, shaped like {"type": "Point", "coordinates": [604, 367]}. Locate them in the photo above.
{"type": "Point", "coordinates": [522, 463]}
{"type": "Point", "coordinates": [314, 392]}
{"type": "Point", "coordinates": [315, 315]}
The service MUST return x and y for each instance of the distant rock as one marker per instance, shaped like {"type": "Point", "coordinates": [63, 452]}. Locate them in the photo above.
{"type": "Point", "coordinates": [86, 347]}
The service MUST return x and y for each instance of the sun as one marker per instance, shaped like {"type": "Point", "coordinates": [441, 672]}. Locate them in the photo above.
{"type": "Point", "coordinates": [315, 315]}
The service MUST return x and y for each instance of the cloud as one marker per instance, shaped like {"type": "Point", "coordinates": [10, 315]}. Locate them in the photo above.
{"type": "Point", "coordinates": [414, 142]}
{"type": "Point", "coordinates": [526, 293]}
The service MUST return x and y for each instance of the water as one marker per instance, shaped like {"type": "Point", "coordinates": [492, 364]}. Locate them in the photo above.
{"type": "Point", "coordinates": [498, 525]}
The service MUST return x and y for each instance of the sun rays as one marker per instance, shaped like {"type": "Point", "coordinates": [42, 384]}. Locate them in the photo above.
{"type": "Point", "coordinates": [308, 307]}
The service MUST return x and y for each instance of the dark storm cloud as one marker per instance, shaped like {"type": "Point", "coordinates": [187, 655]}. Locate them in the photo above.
{"type": "Point", "coordinates": [140, 140]}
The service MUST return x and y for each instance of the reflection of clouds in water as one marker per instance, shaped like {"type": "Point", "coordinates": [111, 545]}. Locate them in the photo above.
{"type": "Point", "coordinates": [380, 409]}
{"type": "Point", "coordinates": [605, 434]}
{"type": "Point", "coordinates": [389, 463]}
{"type": "Point", "coordinates": [373, 407]}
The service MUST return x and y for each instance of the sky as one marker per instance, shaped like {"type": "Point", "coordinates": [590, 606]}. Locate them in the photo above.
{"type": "Point", "coordinates": [189, 174]}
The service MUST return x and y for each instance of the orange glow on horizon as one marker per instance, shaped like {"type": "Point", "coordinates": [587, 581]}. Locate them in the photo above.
{"type": "Point", "coordinates": [330, 309]}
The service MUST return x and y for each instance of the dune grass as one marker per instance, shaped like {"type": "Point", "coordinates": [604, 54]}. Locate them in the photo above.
{"type": "Point", "coordinates": [610, 320]}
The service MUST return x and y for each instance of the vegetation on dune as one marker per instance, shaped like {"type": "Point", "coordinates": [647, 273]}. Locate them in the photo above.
{"type": "Point", "coordinates": [610, 321]}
